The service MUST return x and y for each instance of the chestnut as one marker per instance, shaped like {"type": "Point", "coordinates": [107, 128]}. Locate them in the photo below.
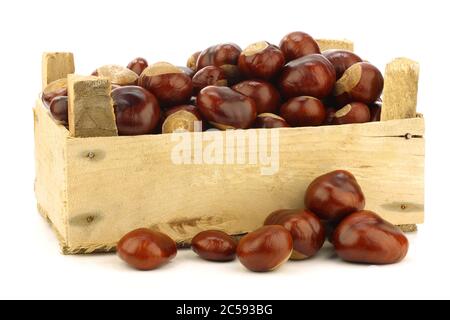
{"type": "Point", "coordinates": [214, 245]}
{"type": "Point", "coordinates": [225, 108]}
{"type": "Point", "coordinates": [59, 109]}
{"type": "Point", "coordinates": [138, 65]}
{"type": "Point", "coordinates": [189, 72]}
{"type": "Point", "coordinates": [375, 111]}
{"type": "Point", "coordinates": [307, 231]}
{"type": "Point", "coordinates": [232, 73]}
{"type": "Point", "coordinates": [145, 249]}
{"type": "Point", "coordinates": [182, 118]}
{"type": "Point", "coordinates": [362, 82]}
{"type": "Point", "coordinates": [312, 75]}
{"type": "Point", "coordinates": [364, 237]}
{"type": "Point", "coordinates": [303, 112]}
{"type": "Point", "coordinates": [168, 83]}
{"type": "Point", "coordinates": [265, 249]}
{"type": "Point", "coordinates": [192, 61]}
{"type": "Point", "coordinates": [261, 60]}
{"type": "Point", "coordinates": [297, 45]}
{"type": "Point", "coordinates": [118, 75]}
{"type": "Point", "coordinates": [137, 110]}
{"type": "Point", "coordinates": [334, 195]}
{"type": "Point", "coordinates": [264, 94]}
{"type": "Point", "coordinates": [341, 60]}
{"type": "Point", "coordinates": [355, 112]}
{"type": "Point", "coordinates": [270, 120]}
{"type": "Point", "coordinates": [208, 76]}
{"type": "Point", "coordinates": [329, 118]}
{"type": "Point", "coordinates": [219, 55]}
{"type": "Point", "coordinates": [54, 89]}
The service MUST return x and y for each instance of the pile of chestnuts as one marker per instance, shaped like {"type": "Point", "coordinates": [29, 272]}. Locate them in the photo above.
{"type": "Point", "coordinates": [334, 209]}
{"type": "Point", "coordinates": [263, 86]}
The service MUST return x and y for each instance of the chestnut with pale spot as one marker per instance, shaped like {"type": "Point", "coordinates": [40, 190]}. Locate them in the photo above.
{"type": "Point", "coordinates": [138, 65]}
{"type": "Point", "coordinates": [117, 74]}
{"type": "Point", "coordinates": [270, 121]}
{"type": "Point", "coordinates": [261, 60]}
{"type": "Point", "coordinates": [355, 112]}
{"type": "Point", "coordinates": [54, 89]}
{"type": "Point", "coordinates": [341, 60]}
{"type": "Point", "coordinates": [182, 118]}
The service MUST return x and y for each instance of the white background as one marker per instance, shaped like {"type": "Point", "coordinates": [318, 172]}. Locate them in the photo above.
{"type": "Point", "coordinates": [101, 32]}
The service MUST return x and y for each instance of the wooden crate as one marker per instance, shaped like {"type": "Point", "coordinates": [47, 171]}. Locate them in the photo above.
{"type": "Point", "coordinates": [94, 190]}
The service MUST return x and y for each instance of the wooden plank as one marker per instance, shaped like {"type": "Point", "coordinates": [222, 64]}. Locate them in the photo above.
{"type": "Point", "coordinates": [51, 165]}
{"type": "Point", "coordinates": [400, 89]}
{"type": "Point", "coordinates": [117, 184]}
{"type": "Point", "coordinates": [55, 66]}
{"type": "Point", "coordinates": [328, 44]}
{"type": "Point", "coordinates": [91, 112]}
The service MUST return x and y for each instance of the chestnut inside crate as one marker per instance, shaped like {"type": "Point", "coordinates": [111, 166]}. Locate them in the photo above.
{"type": "Point", "coordinates": [94, 190]}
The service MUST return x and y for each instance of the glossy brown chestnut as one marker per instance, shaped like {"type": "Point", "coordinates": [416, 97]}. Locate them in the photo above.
{"type": "Point", "coordinates": [145, 249]}
{"type": "Point", "coordinates": [355, 112]}
{"type": "Point", "coordinates": [297, 45]}
{"type": "Point", "coordinates": [189, 72]}
{"type": "Point", "coordinates": [341, 60]}
{"type": "Point", "coordinates": [192, 61]}
{"type": "Point", "coordinates": [59, 109]}
{"type": "Point", "coordinates": [214, 245]}
{"type": "Point", "coordinates": [118, 75]}
{"type": "Point", "coordinates": [362, 82]}
{"type": "Point", "coordinates": [225, 108]}
{"type": "Point", "coordinates": [219, 55]}
{"type": "Point", "coordinates": [307, 231]}
{"type": "Point", "coordinates": [364, 237]}
{"type": "Point", "coordinates": [375, 111]}
{"type": "Point", "coordinates": [312, 75]}
{"type": "Point", "coordinates": [208, 76]}
{"type": "Point", "coordinates": [264, 94]}
{"type": "Point", "coordinates": [303, 112]}
{"type": "Point", "coordinates": [138, 65]}
{"type": "Point", "coordinates": [54, 89]}
{"type": "Point", "coordinates": [261, 60]}
{"type": "Point", "coordinates": [168, 83]}
{"type": "Point", "coordinates": [334, 195]}
{"type": "Point", "coordinates": [137, 110]}
{"type": "Point", "coordinates": [182, 118]}
{"type": "Point", "coordinates": [269, 121]}
{"type": "Point", "coordinates": [265, 249]}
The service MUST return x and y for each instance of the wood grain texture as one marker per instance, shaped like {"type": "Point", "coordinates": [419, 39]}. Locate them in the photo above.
{"type": "Point", "coordinates": [328, 44]}
{"type": "Point", "coordinates": [55, 66]}
{"type": "Point", "coordinates": [91, 112]}
{"type": "Point", "coordinates": [400, 89]}
{"type": "Point", "coordinates": [51, 166]}
{"type": "Point", "coordinates": [117, 184]}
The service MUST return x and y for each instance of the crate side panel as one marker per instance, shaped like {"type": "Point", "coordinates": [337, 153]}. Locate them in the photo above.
{"type": "Point", "coordinates": [117, 184]}
{"type": "Point", "coordinates": [50, 161]}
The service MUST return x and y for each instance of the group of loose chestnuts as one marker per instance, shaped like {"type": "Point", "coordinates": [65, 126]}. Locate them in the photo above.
{"type": "Point", "coordinates": [334, 209]}
{"type": "Point", "coordinates": [263, 86]}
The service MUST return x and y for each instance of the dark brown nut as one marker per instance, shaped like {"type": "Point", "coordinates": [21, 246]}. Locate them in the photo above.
{"type": "Point", "coordinates": [312, 75]}
{"type": "Point", "coordinates": [375, 111]}
{"type": "Point", "coordinates": [187, 71]}
{"type": "Point", "coordinates": [214, 245]}
{"type": "Point", "coordinates": [303, 112]}
{"type": "Point", "coordinates": [192, 61]}
{"type": "Point", "coordinates": [54, 89]}
{"type": "Point", "coordinates": [208, 76]}
{"type": "Point", "coordinates": [182, 118]}
{"type": "Point", "coordinates": [307, 231]}
{"type": "Point", "coordinates": [138, 65]}
{"type": "Point", "coordinates": [168, 83]}
{"type": "Point", "coordinates": [225, 108]}
{"type": "Point", "coordinates": [341, 60]}
{"type": "Point", "coordinates": [334, 195]}
{"type": "Point", "coordinates": [355, 112]}
{"type": "Point", "coordinates": [364, 237]}
{"type": "Point", "coordinates": [145, 249]}
{"type": "Point", "coordinates": [261, 60]}
{"type": "Point", "coordinates": [117, 74]}
{"type": "Point", "coordinates": [59, 109]}
{"type": "Point", "coordinates": [265, 249]}
{"type": "Point", "coordinates": [232, 74]}
{"type": "Point", "coordinates": [362, 82]}
{"type": "Point", "coordinates": [137, 110]}
{"type": "Point", "coordinates": [264, 94]}
{"type": "Point", "coordinates": [269, 121]}
{"type": "Point", "coordinates": [219, 55]}
{"type": "Point", "coordinates": [297, 45]}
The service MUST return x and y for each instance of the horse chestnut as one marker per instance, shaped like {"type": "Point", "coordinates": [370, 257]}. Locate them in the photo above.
{"type": "Point", "coordinates": [264, 94]}
{"type": "Point", "coordinates": [261, 60]}
{"type": "Point", "coordinates": [214, 245]}
{"type": "Point", "coordinates": [303, 112]}
{"type": "Point", "coordinates": [297, 45]}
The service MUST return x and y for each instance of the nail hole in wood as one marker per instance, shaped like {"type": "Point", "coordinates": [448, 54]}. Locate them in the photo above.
{"type": "Point", "coordinates": [408, 136]}
{"type": "Point", "coordinates": [403, 206]}
{"type": "Point", "coordinates": [90, 219]}
{"type": "Point", "coordinates": [91, 155]}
